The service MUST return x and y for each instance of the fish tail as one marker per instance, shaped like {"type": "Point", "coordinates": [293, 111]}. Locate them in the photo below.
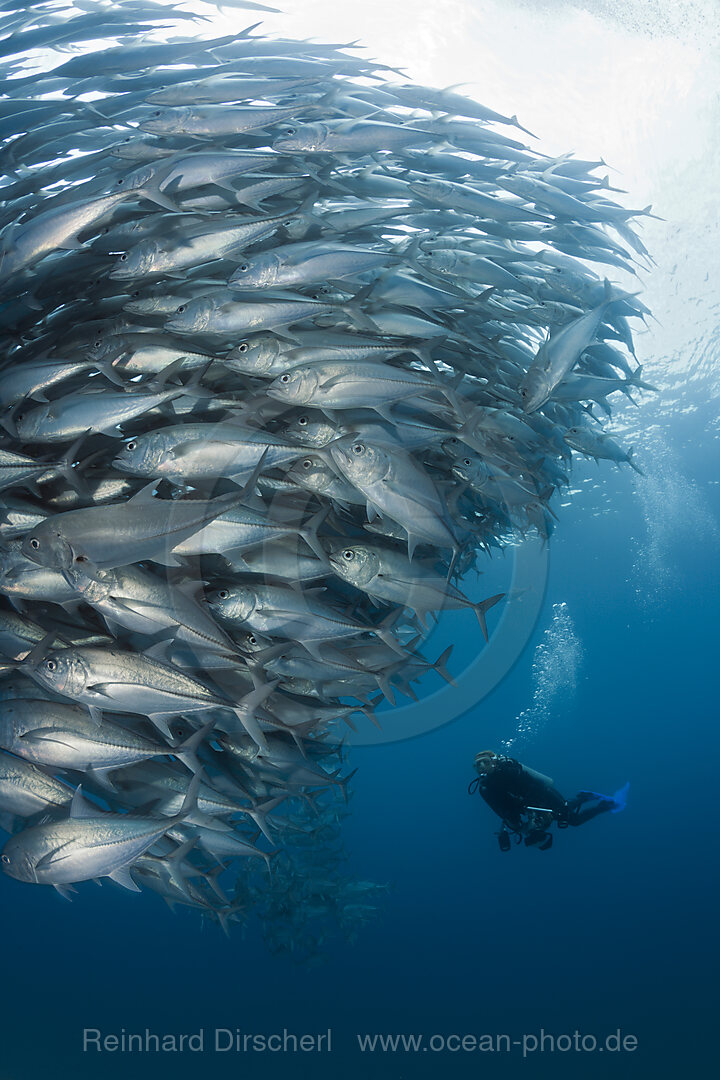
{"type": "Point", "coordinates": [259, 815]}
{"type": "Point", "coordinates": [244, 493]}
{"type": "Point", "coordinates": [516, 123]}
{"type": "Point", "coordinates": [389, 638]}
{"type": "Point", "coordinates": [483, 607]}
{"type": "Point", "coordinates": [189, 805]}
{"type": "Point", "coordinates": [632, 463]}
{"type": "Point", "coordinates": [194, 387]}
{"type": "Point", "coordinates": [68, 470]}
{"type": "Point", "coordinates": [310, 535]}
{"type": "Point", "coordinates": [187, 751]}
{"type": "Point", "coordinates": [440, 666]}
{"type": "Point", "coordinates": [245, 712]}
{"type": "Point", "coordinates": [109, 370]}
{"type": "Point", "coordinates": [211, 877]}
{"type": "Point", "coordinates": [386, 690]}
{"type": "Point", "coordinates": [637, 381]}
{"type": "Point", "coordinates": [152, 190]}
{"type": "Point", "coordinates": [342, 784]}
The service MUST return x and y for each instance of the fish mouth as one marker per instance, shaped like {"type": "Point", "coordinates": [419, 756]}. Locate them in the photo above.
{"type": "Point", "coordinates": [286, 145]}
{"type": "Point", "coordinates": [534, 402]}
{"type": "Point", "coordinates": [276, 392]}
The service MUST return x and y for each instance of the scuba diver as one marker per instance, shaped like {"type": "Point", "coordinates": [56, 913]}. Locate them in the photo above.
{"type": "Point", "coordinates": [528, 802]}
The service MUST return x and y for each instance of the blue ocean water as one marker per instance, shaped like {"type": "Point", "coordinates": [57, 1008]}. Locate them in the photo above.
{"type": "Point", "coordinates": [615, 927]}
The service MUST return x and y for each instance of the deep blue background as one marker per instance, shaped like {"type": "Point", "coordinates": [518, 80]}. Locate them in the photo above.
{"type": "Point", "coordinates": [614, 927]}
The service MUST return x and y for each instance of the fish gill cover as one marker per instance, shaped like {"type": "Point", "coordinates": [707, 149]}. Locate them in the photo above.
{"type": "Point", "coordinates": [289, 345]}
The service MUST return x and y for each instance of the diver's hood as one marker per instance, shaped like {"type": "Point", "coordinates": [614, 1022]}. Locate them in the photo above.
{"type": "Point", "coordinates": [484, 759]}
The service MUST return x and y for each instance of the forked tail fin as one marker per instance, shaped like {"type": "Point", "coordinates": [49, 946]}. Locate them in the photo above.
{"type": "Point", "coordinates": [484, 606]}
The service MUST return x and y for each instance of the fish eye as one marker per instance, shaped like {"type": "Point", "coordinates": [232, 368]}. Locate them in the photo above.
{"type": "Point", "coordinates": [131, 446]}
{"type": "Point", "coordinates": [158, 112]}
{"type": "Point", "coordinates": [348, 554]}
{"type": "Point", "coordinates": [358, 448]}
{"type": "Point", "coordinates": [302, 421]}
{"type": "Point", "coordinates": [284, 378]}
{"type": "Point", "coordinates": [252, 640]}
{"type": "Point", "coordinates": [6, 859]}
{"type": "Point", "coordinates": [467, 461]}
{"type": "Point", "coordinates": [290, 131]}
{"type": "Point", "coordinates": [35, 543]}
{"type": "Point", "coordinates": [243, 268]}
{"type": "Point", "coordinates": [50, 665]}
{"type": "Point", "coordinates": [223, 594]}
{"type": "Point", "coordinates": [307, 463]}
{"type": "Point", "coordinates": [81, 558]}
{"type": "Point", "coordinates": [123, 257]}
{"type": "Point", "coordinates": [180, 309]}
{"type": "Point", "coordinates": [243, 348]}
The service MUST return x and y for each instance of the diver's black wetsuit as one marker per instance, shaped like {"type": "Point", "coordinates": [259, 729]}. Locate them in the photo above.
{"type": "Point", "coordinates": [528, 803]}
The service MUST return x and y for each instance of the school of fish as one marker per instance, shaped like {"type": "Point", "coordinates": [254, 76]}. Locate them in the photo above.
{"type": "Point", "coordinates": [288, 344]}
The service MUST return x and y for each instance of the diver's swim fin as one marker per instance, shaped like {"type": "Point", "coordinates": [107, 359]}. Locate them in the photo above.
{"type": "Point", "coordinates": [620, 798]}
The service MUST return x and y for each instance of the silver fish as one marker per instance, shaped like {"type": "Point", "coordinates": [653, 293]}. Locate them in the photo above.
{"type": "Point", "coordinates": [89, 844]}
{"type": "Point", "coordinates": [389, 576]}
{"type": "Point", "coordinates": [121, 533]}
{"type": "Point", "coordinates": [396, 486]}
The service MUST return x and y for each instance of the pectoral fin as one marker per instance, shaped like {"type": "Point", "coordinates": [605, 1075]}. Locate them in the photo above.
{"type": "Point", "coordinates": [43, 735]}
{"type": "Point", "coordinates": [53, 857]}
{"type": "Point", "coordinates": [102, 689]}
{"type": "Point", "coordinates": [136, 607]}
